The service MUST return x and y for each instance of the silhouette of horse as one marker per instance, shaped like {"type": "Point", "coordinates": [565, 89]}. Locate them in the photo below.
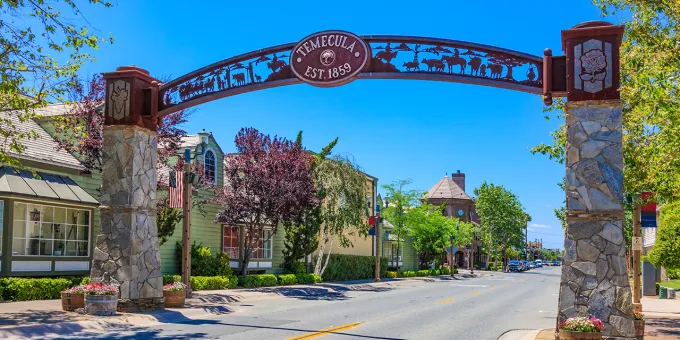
{"type": "Point", "coordinates": [451, 61]}
{"type": "Point", "coordinates": [387, 56]}
{"type": "Point", "coordinates": [275, 65]}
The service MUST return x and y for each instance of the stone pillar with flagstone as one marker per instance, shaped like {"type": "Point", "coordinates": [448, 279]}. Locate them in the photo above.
{"type": "Point", "coordinates": [594, 273]}
{"type": "Point", "coordinates": [127, 249]}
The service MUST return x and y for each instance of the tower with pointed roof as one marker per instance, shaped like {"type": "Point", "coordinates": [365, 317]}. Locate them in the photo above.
{"type": "Point", "coordinates": [451, 191]}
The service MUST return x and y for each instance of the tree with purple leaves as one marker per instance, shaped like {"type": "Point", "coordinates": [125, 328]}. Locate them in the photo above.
{"type": "Point", "coordinates": [268, 183]}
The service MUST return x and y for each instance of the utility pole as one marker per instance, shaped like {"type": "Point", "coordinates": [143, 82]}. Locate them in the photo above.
{"type": "Point", "coordinates": [637, 247]}
{"type": "Point", "coordinates": [186, 223]}
{"type": "Point", "coordinates": [377, 242]}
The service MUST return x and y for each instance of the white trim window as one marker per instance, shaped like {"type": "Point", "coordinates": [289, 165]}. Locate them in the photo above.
{"type": "Point", "coordinates": [44, 230]}
{"type": "Point", "coordinates": [210, 164]}
{"type": "Point", "coordinates": [261, 250]}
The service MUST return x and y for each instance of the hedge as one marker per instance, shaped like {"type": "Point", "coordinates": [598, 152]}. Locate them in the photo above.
{"type": "Point", "coordinates": [308, 278]}
{"type": "Point", "coordinates": [26, 289]}
{"type": "Point", "coordinates": [445, 271]}
{"type": "Point", "coordinates": [287, 279]}
{"type": "Point", "coordinates": [205, 282]}
{"type": "Point", "coordinates": [254, 281]}
{"type": "Point", "coordinates": [343, 267]}
{"type": "Point", "coordinates": [391, 275]}
{"type": "Point", "coordinates": [422, 273]}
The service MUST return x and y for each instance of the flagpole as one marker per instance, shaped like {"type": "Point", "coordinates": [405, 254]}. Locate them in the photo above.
{"type": "Point", "coordinates": [186, 223]}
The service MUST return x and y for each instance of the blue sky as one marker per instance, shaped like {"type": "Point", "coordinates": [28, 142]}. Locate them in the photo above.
{"type": "Point", "coordinates": [394, 129]}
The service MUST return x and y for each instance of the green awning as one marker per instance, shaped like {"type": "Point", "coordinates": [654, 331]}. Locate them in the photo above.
{"type": "Point", "coordinates": [42, 185]}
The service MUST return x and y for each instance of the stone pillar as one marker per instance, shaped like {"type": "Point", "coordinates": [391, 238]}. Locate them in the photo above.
{"type": "Point", "coordinates": [127, 249]}
{"type": "Point", "coordinates": [594, 273]}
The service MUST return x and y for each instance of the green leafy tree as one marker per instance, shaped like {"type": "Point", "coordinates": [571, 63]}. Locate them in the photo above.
{"type": "Point", "coordinates": [502, 216]}
{"type": "Point", "coordinates": [666, 251]}
{"type": "Point", "coordinates": [344, 208]}
{"type": "Point", "coordinates": [166, 219]}
{"type": "Point", "coordinates": [302, 237]}
{"type": "Point", "coordinates": [401, 202]}
{"type": "Point", "coordinates": [42, 47]}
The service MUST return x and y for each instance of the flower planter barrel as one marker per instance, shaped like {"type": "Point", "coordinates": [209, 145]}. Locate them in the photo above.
{"type": "Point", "coordinates": [639, 329]}
{"type": "Point", "coordinates": [71, 302]}
{"type": "Point", "coordinates": [572, 335]}
{"type": "Point", "coordinates": [174, 299]}
{"type": "Point", "coordinates": [101, 304]}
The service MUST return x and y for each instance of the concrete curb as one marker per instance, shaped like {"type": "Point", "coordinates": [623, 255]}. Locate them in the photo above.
{"type": "Point", "coordinates": [520, 334]}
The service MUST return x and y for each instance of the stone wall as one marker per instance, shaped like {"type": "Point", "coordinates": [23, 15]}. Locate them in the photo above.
{"type": "Point", "coordinates": [126, 250]}
{"type": "Point", "coordinates": [594, 272]}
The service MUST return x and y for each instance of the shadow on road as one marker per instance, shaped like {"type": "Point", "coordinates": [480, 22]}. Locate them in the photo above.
{"type": "Point", "coordinates": [216, 298]}
{"type": "Point", "coordinates": [35, 316]}
{"type": "Point", "coordinates": [659, 326]}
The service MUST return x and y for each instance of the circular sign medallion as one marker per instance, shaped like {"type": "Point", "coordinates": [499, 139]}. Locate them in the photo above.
{"type": "Point", "coordinates": [329, 58]}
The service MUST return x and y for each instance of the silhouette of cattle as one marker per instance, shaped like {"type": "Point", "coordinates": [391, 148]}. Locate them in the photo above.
{"type": "Point", "coordinates": [474, 65]}
{"type": "Point", "coordinates": [239, 78]}
{"type": "Point", "coordinates": [433, 65]}
{"type": "Point", "coordinates": [496, 70]}
{"type": "Point", "coordinates": [412, 66]}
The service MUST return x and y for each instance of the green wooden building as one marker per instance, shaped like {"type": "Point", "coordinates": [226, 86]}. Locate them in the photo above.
{"type": "Point", "coordinates": [49, 209]}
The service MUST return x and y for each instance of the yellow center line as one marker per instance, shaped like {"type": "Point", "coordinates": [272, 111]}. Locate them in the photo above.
{"type": "Point", "coordinates": [445, 301]}
{"type": "Point", "coordinates": [326, 331]}
{"type": "Point", "coordinates": [474, 293]}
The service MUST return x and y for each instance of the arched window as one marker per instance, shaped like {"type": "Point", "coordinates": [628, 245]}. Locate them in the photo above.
{"type": "Point", "coordinates": [210, 166]}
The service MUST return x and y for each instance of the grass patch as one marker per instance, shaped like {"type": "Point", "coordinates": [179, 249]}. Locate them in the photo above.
{"type": "Point", "coordinates": [674, 284]}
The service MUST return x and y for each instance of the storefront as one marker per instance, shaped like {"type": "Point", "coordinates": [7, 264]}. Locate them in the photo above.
{"type": "Point", "coordinates": [46, 224]}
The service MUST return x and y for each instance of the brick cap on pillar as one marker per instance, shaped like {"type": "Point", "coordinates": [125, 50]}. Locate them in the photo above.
{"type": "Point", "coordinates": [131, 72]}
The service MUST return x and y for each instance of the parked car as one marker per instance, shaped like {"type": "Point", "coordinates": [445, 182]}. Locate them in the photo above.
{"type": "Point", "coordinates": [539, 263]}
{"type": "Point", "coordinates": [525, 265]}
{"type": "Point", "coordinates": [514, 266]}
{"type": "Point", "coordinates": [556, 263]}
{"type": "Point", "coordinates": [532, 264]}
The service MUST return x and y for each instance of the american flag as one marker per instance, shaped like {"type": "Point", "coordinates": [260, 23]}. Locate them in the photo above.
{"type": "Point", "coordinates": [176, 190]}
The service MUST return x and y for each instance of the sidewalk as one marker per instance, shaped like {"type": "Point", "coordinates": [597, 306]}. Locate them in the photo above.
{"type": "Point", "coordinates": [662, 322]}
{"type": "Point", "coordinates": [40, 319]}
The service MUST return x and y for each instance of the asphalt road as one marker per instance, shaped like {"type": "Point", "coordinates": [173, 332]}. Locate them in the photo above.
{"type": "Point", "coordinates": [475, 308]}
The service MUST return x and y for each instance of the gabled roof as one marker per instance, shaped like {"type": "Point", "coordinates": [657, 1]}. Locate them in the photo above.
{"type": "Point", "coordinates": [43, 148]}
{"type": "Point", "coordinates": [446, 188]}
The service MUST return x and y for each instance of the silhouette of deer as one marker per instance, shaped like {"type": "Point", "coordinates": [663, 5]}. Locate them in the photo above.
{"type": "Point", "coordinates": [453, 60]}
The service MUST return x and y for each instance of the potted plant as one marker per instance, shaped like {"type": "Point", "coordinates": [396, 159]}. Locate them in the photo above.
{"type": "Point", "coordinates": [59, 250]}
{"type": "Point", "coordinates": [581, 328]}
{"type": "Point", "coordinates": [639, 321]}
{"type": "Point", "coordinates": [174, 294]}
{"type": "Point", "coordinates": [101, 299]}
{"type": "Point", "coordinates": [73, 298]}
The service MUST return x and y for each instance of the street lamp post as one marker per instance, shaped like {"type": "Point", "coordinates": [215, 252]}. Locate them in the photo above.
{"type": "Point", "coordinates": [377, 243]}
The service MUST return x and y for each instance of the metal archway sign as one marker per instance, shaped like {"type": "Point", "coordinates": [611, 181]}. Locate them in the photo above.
{"type": "Point", "coordinates": [333, 58]}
